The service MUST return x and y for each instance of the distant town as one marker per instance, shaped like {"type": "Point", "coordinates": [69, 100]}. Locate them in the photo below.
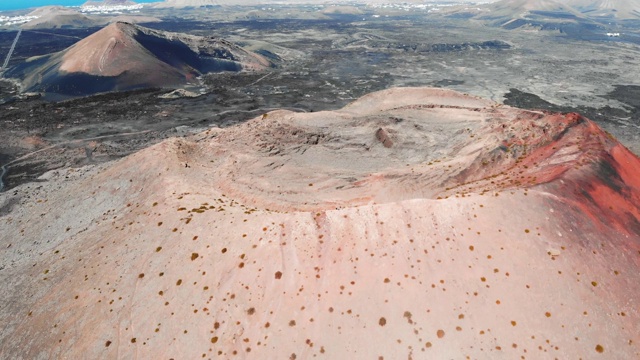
{"type": "Point", "coordinates": [110, 9]}
{"type": "Point", "coordinates": [6, 21]}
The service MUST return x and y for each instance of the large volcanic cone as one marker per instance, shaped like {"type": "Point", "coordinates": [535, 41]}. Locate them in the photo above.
{"type": "Point", "coordinates": [413, 223]}
{"type": "Point", "coordinates": [123, 56]}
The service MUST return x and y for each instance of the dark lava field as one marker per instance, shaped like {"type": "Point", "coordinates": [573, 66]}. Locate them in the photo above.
{"type": "Point", "coordinates": [323, 64]}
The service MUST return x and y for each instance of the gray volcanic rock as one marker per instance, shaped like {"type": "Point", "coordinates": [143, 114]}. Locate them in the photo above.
{"type": "Point", "coordinates": [483, 231]}
{"type": "Point", "coordinates": [123, 56]}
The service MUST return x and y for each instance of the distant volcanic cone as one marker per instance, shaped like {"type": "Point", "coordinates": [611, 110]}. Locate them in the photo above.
{"type": "Point", "coordinates": [614, 9]}
{"type": "Point", "coordinates": [524, 6]}
{"type": "Point", "coordinates": [412, 223]}
{"type": "Point", "coordinates": [546, 14]}
{"type": "Point", "coordinates": [123, 56]}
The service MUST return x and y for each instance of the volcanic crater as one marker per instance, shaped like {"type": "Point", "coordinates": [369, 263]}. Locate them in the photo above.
{"type": "Point", "coordinates": [414, 221]}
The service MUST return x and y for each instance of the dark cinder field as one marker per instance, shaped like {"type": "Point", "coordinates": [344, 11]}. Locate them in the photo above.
{"type": "Point", "coordinates": [325, 64]}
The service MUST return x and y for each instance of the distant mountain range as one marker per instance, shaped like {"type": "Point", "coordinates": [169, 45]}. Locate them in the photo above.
{"type": "Point", "coordinates": [124, 56]}
{"type": "Point", "coordinates": [525, 7]}
{"type": "Point", "coordinates": [53, 17]}
{"type": "Point", "coordinates": [535, 13]}
{"type": "Point", "coordinates": [57, 17]}
{"type": "Point", "coordinates": [618, 9]}
{"type": "Point", "coordinates": [581, 17]}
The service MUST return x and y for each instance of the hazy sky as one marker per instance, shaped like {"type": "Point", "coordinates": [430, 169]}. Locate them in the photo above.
{"type": "Point", "coordinates": [24, 4]}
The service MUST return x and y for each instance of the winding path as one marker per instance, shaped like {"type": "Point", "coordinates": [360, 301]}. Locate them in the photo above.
{"type": "Point", "coordinates": [3, 172]}
{"type": "Point", "coordinates": [13, 47]}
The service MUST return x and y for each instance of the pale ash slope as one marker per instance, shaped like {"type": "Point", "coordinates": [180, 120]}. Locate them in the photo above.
{"type": "Point", "coordinates": [577, 9]}
{"type": "Point", "coordinates": [412, 223]}
{"type": "Point", "coordinates": [55, 17]}
{"type": "Point", "coordinates": [619, 9]}
{"type": "Point", "coordinates": [525, 8]}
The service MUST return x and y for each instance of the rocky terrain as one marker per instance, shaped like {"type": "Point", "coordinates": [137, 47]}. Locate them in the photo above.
{"type": "Point", "coordinates": [321, 65]}
{"type": "Point", "coordinates": [413, 223]}
{"type": "Point", "coordinates": [124, 56]}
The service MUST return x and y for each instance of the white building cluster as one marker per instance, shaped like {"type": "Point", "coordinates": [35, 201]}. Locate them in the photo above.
{"type": "Point", "coordinates": [429, 7]}
{"type": "Point", "coordinates": [15, 20]}
{"type": "Point", "coordinates": [110, 9]}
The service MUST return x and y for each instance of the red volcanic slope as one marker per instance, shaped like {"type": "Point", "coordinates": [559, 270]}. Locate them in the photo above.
{"type": "Point", "coordinates": [116, 49]}
{"type": "Point", "coordinates": [413, 223]}
{"type": "Point", "coordinates": [568, 155]}
{"type": "Point", "coordinates": [111, 52]}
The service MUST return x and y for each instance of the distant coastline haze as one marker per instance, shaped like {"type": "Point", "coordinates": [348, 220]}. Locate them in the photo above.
{"type": "Point", "coordinates": [21, 4]}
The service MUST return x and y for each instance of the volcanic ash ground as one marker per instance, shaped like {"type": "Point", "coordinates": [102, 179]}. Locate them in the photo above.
{"type": "Point", "coordinates": [413, 223]}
